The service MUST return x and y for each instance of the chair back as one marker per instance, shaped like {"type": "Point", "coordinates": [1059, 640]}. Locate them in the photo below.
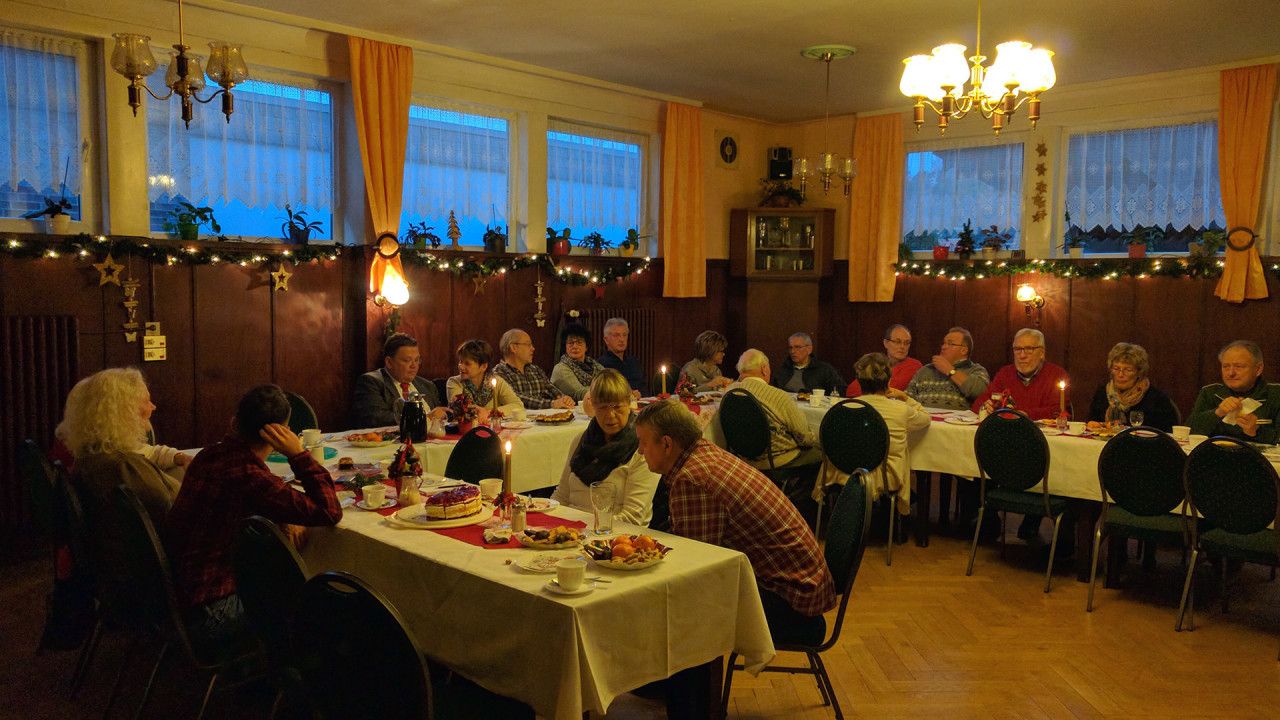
{"type": "Point", "coordinates": [854, 436]}
{"type": "Point", "coordinates": [145, 593]}
{"type": "Point", "coordinates": [1231, 485]}
{"type": "Point", "coordinates": [478, 455]}
{"type": "Point", "coordinates": [441, 384]}
{"type": "Point", "coordinates": [340, 624]}
{"type": "Point", "coordinates": [301, 415]}
{"type": "Point", "coordinates": [847, 541]}
{"type": "Point", "coordinates": [1011, 450]}
{"type": "Point", "coordinates": [1141, 471]}
{"type": "Point", "coordinates": [42, 487]}
{"type": "Point", "coordinates": [269, 576]}
{"type": "Point", "coordinates": [746, 425]}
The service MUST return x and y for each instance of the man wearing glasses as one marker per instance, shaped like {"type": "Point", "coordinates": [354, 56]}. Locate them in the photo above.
{"type": "Point", "coordinates": [952, 380]}
{"type": "Point", "coordinates": [528, 380]}
{"type": "Point", "coordinates": [1243, 405]}
{"type": "Point", "coordinates": [802, 372]}
{"type": "Point", "coordinates": [1031, 383]}
{"type": "Point", "coordinates": [897, 343]}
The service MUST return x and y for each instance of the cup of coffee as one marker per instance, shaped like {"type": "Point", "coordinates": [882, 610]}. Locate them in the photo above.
{"type": "Point", "coordinates": [570, 573]}
{"type": "Point", "coordinates": [375, 495]}
{"type": "Point", "coordinates": [815, 396]}
{"type": "Point", "coordinates": [317, 453]}
{"type": "Point", "coordinates": [310, 437]}
{"type": "Point", "coordinates": [1181, 432]}
{"type": "Point", "coordinates": [490, 487]}
{"type": "Point", "coordinates": [519, 414]}
{"type": "Point", "coordinates": [1075, 428]}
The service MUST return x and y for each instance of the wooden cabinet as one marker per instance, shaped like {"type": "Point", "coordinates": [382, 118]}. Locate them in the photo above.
{"type": "Point", "coordinates": [781, 243]}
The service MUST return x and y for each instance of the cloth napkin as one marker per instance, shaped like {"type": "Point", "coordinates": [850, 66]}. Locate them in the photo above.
{"type": "Point", "coordinates": [1247, 406]}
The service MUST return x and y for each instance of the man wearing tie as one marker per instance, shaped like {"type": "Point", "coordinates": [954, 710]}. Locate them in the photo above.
{"type": "Point", "coordinates": [377, 392]}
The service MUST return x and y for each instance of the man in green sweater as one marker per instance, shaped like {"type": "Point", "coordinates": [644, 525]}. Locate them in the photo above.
{"type": "Point", "coordinates": [1243, 405]}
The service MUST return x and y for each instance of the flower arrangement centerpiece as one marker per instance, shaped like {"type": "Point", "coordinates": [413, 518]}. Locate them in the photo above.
{"type": "Point", "coordinates": [463, 411]}
{"type": "Point", "coordinates": [685, 388]}
{"type": "Point", "coordinates": [405, 469]}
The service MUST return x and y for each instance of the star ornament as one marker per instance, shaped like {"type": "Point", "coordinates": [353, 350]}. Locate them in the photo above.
{"type": "Point", "coordinates": [108, 271]}
{"type": "Point", "coordinates": [1042, 150]}
{"type": "Point", "coordinates": [281, 279]}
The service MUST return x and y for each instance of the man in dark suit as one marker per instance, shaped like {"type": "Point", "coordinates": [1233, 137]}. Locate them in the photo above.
{"type": "Point", "coordinates": [377, 392]}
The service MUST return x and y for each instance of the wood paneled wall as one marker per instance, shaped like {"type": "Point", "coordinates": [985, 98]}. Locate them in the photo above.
{"type": "Point", "coordinates": [227, 329]}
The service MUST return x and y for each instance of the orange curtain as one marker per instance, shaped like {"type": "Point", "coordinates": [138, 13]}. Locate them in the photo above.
{"type": "Point", "coordinates": [684, 227]}
{"type": "Point", "coordinates": [875, 214]}
{"type": "Point", "coordinates": [381, 84]}
{"type": "Point", "coordinates": [1244, 124]}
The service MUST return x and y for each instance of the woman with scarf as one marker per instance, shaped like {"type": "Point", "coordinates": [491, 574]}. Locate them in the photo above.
{"type": "Point", "coordinates": [473, 382]}
{"type": "Point", "coordinates": [608, 452]}
{"type": "Point", "coordinates": [1130, 391]}
{"type": "Point", "coordinates": [576, 369]}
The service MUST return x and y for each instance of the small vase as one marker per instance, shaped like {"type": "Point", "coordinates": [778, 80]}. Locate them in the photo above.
{"type": "Point", "coordinates": [1137, 251]}
{"type": "Point", "coordinates": [188, 231]}
{"type": "Point", "coordinates": [299, 236]}
{"type": "Point", "coordinates": [57, 224]}
{"type": "Point", "coordinates": [988, 253]}
{"type": "Point", "coordinates": [626, 251]}
{"type": "Point", "coordinates": [940, 252]}
{"type": "Point", "coordinates": [560, 247]}
{"type": "Point", "coordinates": [464, 426]}
{"type": "Point", "coordinates": [1076, 252]}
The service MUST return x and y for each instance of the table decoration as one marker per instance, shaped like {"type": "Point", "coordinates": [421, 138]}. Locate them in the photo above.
{"type": "Point", "coordinates": [405, 469]}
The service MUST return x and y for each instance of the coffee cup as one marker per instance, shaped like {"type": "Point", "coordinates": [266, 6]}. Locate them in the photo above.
{"type": "Point", "coordinates": [1075, 428]}
{"type": "Point", "coordinates": [375, 495]}
{"type": "Point", "coordinates": [815, 397]}
{"type": "Point", "coordinates": [1194, 440]}
{"type": "Point", "coordinates": [519, 414]}
{"type": "Point", "coordinates": [317, 453]}
{"type": "Point", "coordinates": [310, 437]}
{"type": "Point", "coordinates": [570, 573]}
{"type": "Point", "coordinates": [1181, 432]}
{"type": "Point", "coordinates": [490, 487]}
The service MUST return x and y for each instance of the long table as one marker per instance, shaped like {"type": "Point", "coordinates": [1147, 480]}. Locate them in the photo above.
{"type": "Point", "coordinates": [475, 612]}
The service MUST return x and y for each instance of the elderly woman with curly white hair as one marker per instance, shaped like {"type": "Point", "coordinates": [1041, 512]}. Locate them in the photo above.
{"type": "Point", "coordinates": [105, 426]}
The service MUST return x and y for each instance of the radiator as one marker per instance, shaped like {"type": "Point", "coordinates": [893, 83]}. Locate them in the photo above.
{"type": "Point", "coordinates": [640, 324]}
{"type": "Point", "coordinates": [41, 363]}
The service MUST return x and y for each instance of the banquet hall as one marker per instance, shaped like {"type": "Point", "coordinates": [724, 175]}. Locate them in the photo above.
{"type": "Point", "coordinates": [457, 170]}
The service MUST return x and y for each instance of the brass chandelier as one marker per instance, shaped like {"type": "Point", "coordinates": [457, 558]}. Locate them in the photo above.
{"type": "Point", "coordinates": [828, 164]}
{"type": "Point", "coordinates": [132, 58]}
{"type": "Point", "coordinates": [1018, 75]}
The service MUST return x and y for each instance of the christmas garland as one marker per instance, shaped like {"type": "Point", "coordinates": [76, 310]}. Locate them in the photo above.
{"type": "Point", "coordinates": [1173, 266]}
{"type": "Point", "coordinates": [471, 268]}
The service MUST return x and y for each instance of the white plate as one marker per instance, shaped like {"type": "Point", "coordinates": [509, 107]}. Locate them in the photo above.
{"type": "Point", "coordinates": [959, 421]}
{"type": "Point", "coordinates": [516, 424]}
{"type": "Point", "coordinates": [368, 444]}
{"type": "Point", "coordinates": [553, 586]}
{"type": "Point", "coordinates": [415, 516]}
{"type": "Point", "coordinates": [545, 562]}
{"type": "Point", "coordinates": [543, 505]}
{"type": "Point", "coordinates": [389, 502]}
{"type": "Point", "coordinates": [1050, 431]}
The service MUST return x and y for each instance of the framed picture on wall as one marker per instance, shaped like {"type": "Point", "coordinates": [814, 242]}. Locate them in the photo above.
{"type": "Point", "coordinates": [727, 150]}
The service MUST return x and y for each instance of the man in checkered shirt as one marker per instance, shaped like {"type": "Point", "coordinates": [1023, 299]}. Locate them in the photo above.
{"type": "Point", "coordinates": [718, 499]}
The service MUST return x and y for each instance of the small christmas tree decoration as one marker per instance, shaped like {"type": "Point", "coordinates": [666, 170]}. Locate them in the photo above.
{"type": "Point", "coordinates": [454, 233]}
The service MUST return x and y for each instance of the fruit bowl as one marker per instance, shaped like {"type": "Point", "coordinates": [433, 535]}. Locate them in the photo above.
{"type": "Point", "coordinates": [603, 553]}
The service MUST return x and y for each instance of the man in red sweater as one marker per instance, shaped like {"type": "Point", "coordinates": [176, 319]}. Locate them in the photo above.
{"type": "Point", "coordinates": [1030, 382]}
{"type": "Point", "coordinates": [897, 345]}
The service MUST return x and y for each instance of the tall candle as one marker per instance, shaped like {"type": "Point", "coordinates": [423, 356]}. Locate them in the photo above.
{"type": "Point", "coordinates": [1062, 396]}
{"type": "Point", "coordinates": [664, 379]}
{"type": "Point", "coordinates": [506, 472]}
{"type": "Point", "coordinates": [493, 383]}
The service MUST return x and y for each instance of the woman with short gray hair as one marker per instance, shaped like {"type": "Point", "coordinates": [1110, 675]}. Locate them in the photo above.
{"type": "Point", "coordinates": [1129, 391]}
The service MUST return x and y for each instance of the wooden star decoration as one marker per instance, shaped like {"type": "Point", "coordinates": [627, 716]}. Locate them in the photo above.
{"type": "Point", "coordinates": [1038, 200]}
{"type": "Point", "coordinates": [1042, 186]}
{"type": "Point", "coordinates": [281, 279]}
{"type": "Point", "coordinates": [1040, 169]}
{"type": "Point", "coordinates": [1042, 150]}
{"type": "Point", "coordinates": [1038, 216]}
{"type": "Point", "coordinates": [108, 271]}
{"type": "Point", "coordinates": [478, 281]}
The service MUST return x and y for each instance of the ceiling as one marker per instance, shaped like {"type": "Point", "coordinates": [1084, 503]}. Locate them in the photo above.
{"type": "Point", "coordinates": [743, 56]}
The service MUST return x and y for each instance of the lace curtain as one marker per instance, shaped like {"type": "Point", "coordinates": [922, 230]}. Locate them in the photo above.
{"type": "Point", "coordinates": [1157, 176]}
{"type": "Point", "coordinates": [946, 187]}
{"type": "Point", "coordinates": [457, 161]}
{"type": "Point", "coordinates": [276, 150]}
{"type": "Point", "coordinates": [39, 121]}
{"type": "Point", "coordinates": [595, 180]}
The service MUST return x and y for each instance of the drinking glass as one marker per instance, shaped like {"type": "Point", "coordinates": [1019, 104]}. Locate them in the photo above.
{"type": "Point", "coordinates": [1135, 418]}
{"type": "Point", "coordinates": [603, 499]}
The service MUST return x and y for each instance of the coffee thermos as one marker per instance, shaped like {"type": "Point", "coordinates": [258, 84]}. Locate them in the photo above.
{"type": "Point", "coordinates": [413, 419]}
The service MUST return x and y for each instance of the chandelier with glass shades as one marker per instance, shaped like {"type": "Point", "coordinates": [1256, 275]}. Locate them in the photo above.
{"type": "Point", "coordinates": [1019, 74]}
{"type": "Point", "coordinates": [132, 58]}
{"type": "Point", "coordinates": [828, 164]}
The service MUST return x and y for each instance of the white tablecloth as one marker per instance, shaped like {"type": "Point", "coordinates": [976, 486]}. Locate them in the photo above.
{"type": "Point", "coordinates": [495, 624]}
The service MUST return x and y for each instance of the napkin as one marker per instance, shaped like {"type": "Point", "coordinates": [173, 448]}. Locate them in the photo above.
{"type": "Point", "coordinates": [1247, 406]}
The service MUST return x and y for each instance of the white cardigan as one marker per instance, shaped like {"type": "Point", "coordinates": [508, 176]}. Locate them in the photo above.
{"type": "Point", "coordinates": [635, 483]}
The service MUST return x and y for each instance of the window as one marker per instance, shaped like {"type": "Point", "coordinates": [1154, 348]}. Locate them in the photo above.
{"type": "Point", "coordinates": [457, 162]}
{"type": "Point", "coordinates": [595, 180]}
{"type": "Point", "coordinates": [39, 122]}
{"type": "Point", "coordinates": [946, 188]}
{"type": "Point", "coordinates": [277, 150]}
{"type": "Point", "coordinates": [1163, 179]}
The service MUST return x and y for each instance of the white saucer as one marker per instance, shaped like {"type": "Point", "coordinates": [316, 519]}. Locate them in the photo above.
{"type": "Point", "coordinates": [553, 586]}
{"type": "Point", "coordinates": [389, 502]}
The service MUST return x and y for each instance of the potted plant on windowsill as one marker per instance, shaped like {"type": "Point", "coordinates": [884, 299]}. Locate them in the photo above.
{"type": "Point", "coordinates": [1140, 239]}
{"type": "Point", "coordinates": [558, 244]}
{"type": "Point", "coordinates": [630, 243]}
{"type": "Point", "coordinates": [296, 229]}
{"type": "Point", "coordinates": [186, 219]}
{"type": "Point", "coordinates": [419, 234]}
{"type": "Point", "coordinates": [965, 243]}
{"type": "Point", "coordinates": [1211, 241]}
{"type": "Point", "coordinates": [495, 241]}
{"type": "Point", "coordinates": [1073, 239]}
{"type": "Point", "coordinates": [54, 212]}
{"type": "Point", "coordinates": [596, 243]}
{"type": "Point", "coordinates": [993, 241]}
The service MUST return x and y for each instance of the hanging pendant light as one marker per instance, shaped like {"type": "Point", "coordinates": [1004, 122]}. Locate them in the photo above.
{"type": "Point", "coordinates": [827, 164]}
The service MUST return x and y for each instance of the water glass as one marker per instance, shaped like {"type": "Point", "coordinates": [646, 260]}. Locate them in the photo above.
{"type": "Point", "coordinates": [603, 500]}
{"type": "Point", "coordinates": [1135, 418]}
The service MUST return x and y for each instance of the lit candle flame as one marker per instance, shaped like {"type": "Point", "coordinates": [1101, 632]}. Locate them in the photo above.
{"type": "Point", "coordinates": [508, 447]}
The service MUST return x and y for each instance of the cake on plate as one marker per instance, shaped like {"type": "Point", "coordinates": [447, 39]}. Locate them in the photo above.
{"type": "Point", "coordinates": [454, 503]}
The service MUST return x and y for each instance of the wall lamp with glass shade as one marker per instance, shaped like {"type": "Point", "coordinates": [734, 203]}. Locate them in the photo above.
{"type": "Point", "coordinates": [1032, 299]}
{"type": "Point", "coordinates": [386, 275]}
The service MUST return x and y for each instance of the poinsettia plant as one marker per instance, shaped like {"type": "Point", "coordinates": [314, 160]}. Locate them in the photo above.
{"type": "Point", "coordinates": [685, 388]}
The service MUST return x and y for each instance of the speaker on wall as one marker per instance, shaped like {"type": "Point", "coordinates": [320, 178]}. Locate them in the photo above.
{"type": "Point", "coordinates": [780, 163]}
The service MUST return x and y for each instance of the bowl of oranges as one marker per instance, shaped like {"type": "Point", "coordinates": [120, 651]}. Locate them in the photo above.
{"type": "Point", "coordinates": [626, 552]}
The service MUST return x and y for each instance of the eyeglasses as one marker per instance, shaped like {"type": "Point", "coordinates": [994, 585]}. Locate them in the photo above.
{"type": "Point", "coordinates": [947, 344]}
{"type": "Point", "coordinates": [575, 341]}
{"type": "Point", "coordinates": [899, 342]}
{"type": "Point", "coordinates": [1026, 350]}
{"type": "Point", "coordinates": [614, 407]}
{"type": "Point", "coordinates": [523, 343]}
{"type": "Point", "coordinates": [1122, 370]}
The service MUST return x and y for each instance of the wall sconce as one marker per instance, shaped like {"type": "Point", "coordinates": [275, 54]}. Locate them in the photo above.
{"type": "Point", "coordinates": [1028, 295]}
{"type": "Point", "coordinates": [386, 276]}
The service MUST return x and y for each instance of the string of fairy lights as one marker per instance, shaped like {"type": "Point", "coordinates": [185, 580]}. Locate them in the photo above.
{"type": "Point", "coordinates": [1105, 269]}
{"type": "Point", "coordinates": [167, 252]}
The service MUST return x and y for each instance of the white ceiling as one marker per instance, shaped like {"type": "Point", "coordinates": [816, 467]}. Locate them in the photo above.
{"type": "Point", "coordinates": [743, 56]}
